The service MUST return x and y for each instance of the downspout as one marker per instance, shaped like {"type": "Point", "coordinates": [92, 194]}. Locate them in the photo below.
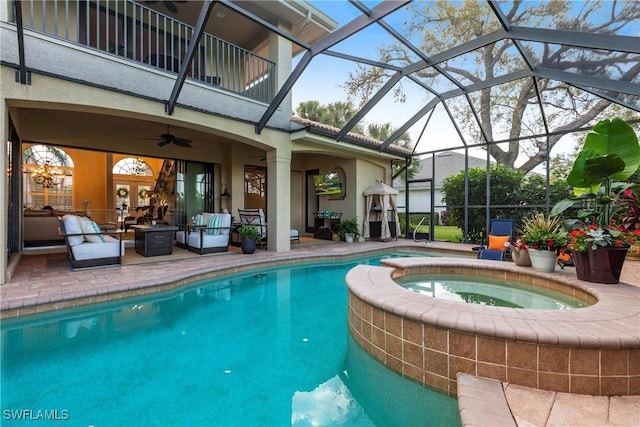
{"type": "Point", "coordinates": [22, 71]}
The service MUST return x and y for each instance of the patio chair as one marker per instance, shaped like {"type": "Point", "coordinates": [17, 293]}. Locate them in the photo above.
{"type": "Point", "coordinates": [501, 231]}
{"type": "Point", "coordinates": [209, 235]}
{"type": "Point", "coordinates": [88, 245]}
{"type": "Point", "coordinates": [565, 259]}
{"type": "Point", "coordinates": [256, 218]}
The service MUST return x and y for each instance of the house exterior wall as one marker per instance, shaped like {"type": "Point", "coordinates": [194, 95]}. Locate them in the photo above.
{"type": "Point", "coordinates": [420, 200]}
{"type": "Point", "coordinates": [80, 98]}
{"type": "Point", "coordinates": [446, 164]}
{"type": "Point", "coordinates": [55, 57]}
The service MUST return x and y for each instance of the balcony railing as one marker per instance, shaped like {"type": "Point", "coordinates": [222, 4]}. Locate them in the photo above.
{"type": "Point", "coordinates": [133, 31]}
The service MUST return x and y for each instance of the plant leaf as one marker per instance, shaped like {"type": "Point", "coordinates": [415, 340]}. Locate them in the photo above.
{"type": "Point", "coordinates": [615, 137]}
{"type": "Point", "coordinates": [562, 206]}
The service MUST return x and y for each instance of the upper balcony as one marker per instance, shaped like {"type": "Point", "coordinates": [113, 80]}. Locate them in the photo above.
{"type": "Point", "coordinates": [138, 47]}
{"type": "Point", "coordinates": [134, 31]}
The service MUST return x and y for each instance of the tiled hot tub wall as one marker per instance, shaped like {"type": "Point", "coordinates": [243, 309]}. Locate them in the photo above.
{"type": "Point", "coordinates": [430, 340]}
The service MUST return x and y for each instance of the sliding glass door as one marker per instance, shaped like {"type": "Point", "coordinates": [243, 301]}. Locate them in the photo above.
{"type": "Point", "coordinates": [194, 190]}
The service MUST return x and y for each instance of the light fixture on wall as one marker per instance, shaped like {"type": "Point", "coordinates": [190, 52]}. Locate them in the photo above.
{"type": "Point", "coordinates": [225, 193]}
{"type": "Point", "coordinates": [47, 176]}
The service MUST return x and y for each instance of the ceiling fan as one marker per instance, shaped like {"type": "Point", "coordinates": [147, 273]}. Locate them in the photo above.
{"type": "Point", "coordinates": [168, 138]}
{"type": "Point", "coordinates": [168, 4]}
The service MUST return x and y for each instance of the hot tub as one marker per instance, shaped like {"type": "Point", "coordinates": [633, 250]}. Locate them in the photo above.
{"type": "Point", "coordinates": [592, 350]}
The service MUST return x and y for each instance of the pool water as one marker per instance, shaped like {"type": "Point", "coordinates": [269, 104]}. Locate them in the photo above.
{"type": "Point", "coordinates": [489, 291]}
{"type": "Point", "coordinates": [267, 348]}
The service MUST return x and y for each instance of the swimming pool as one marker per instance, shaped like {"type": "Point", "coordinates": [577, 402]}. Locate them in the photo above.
{"type": "Point", "coordinates": [261, 348]}
{"type": "Point", "coordinates": [489, 291]}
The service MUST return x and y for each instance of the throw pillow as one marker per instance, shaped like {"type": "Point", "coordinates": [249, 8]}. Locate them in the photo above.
{"type": "Point", "coordinates": [198, 220]}
{"type": "Point", "coordinates": [497, 242]}
{"type": "Point", "coordinates": [213, 224]}
{"type": "Point", "coordinates": [72, 226]}
{"type": "Point", "coordinates": [88, 227]}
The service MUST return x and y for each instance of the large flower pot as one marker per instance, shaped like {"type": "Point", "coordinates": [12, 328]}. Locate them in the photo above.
{"type": "Point", "coordinates": [600, 266]}
{"type": "Point", "coordinates": [521, 257]}
{"type": "Point", "coordinates": [248, 245]}
{"type": "Point", "coordinates": [543, 260]}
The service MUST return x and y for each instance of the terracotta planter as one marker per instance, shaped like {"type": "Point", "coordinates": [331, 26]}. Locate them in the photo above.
{"type": "Point", "coordinates": [521, 257]}
{"type": "Point", "coordinates": [603, 265]}
{"type": "Point", "coordinates": [543, 260]}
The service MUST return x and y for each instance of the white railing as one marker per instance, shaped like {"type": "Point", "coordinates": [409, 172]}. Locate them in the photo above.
{"type": "Point", "coordinates": [133, 31]}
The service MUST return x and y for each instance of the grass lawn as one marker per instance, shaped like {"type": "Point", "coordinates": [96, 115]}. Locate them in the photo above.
{"type": "Point", "coordinates": [444, 232]}
{"type": "Point", "coordinates": [447, 232]}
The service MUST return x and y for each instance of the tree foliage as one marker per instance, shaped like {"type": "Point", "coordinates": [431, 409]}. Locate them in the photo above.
{"type": "Point", "coordinates": [508, 188]}
{"type": "Point", "coordinates": [508, 109]}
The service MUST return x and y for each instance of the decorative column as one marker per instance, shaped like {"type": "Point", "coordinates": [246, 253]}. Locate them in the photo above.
{"type": "Point", "coordinates": [279, 199]}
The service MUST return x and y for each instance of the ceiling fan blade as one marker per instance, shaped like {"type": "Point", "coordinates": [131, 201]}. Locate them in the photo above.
{"type": "Point", "coordinates": [163, 143]}
{"type": "Point", "coordinates": [182, 142]}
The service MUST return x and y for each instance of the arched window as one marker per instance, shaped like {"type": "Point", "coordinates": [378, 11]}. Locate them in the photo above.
{"type": "Point", "coordinates": [132, 185]}
{"type": "Point", "coordinates": [47, 177]}
{"type": "Point", "coordinates": [131, 166]}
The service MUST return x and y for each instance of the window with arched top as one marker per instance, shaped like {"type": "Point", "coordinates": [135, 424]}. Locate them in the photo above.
{"type": "Point", "coordinates": [132, 166]}
{"type": "Point", "coordinates": [47, 177]}
{"type": "Point", "coordinates": [133, 180]}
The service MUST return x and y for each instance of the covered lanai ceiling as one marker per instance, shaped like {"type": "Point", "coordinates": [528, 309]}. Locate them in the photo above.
{"type": "Point", "coordinates": [501, 72]}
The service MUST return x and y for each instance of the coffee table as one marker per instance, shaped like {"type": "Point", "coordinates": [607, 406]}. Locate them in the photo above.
{"type": "Point", "coordinates": [154, 240]}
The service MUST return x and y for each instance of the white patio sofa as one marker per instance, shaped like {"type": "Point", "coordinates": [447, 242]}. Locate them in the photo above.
{"type": "Point", "coordinates": [88, 245]}
{"type": "Point", "coordinates": [211, 233]}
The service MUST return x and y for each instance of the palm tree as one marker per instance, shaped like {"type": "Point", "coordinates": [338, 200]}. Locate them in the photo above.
{"type": "Point", "coordinates": [310, 110]}
{"type": "Point", "coordinates": [381, 132]}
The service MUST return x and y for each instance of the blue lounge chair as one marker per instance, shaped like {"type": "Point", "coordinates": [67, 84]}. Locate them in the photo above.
{"type": "Point", "coordinates": [500, 232]}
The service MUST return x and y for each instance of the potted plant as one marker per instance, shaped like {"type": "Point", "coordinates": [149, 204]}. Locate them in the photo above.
{"type": "Point", "coordinates": [543, 236]}
{"type": "Point", "coordinates": [249, 235]}
{"type": "Point", "coordinates": [519, 252]}
{"type": "Point", "coordinates": [629, 218]}
{"type": "Point", "coordinates": [348, 230]}
{"type": "Point", "coordinates": [610, 155]}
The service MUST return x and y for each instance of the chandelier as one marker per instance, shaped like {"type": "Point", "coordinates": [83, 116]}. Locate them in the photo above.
{"type": "Point", "coordinates": [47, 176]}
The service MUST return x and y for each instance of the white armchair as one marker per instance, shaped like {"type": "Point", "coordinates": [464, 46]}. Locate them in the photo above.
{"type": "Point", "coordinates": [88, 245]}
{"type": "Point", "coordinates": [211, 233]}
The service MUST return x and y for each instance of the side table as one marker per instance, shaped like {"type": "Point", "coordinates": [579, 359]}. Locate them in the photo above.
{"type": "Point", "coordinates": [154, 240]}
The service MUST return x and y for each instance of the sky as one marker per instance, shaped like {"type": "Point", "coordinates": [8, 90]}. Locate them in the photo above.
{"type": "Point", "coordinates": [323, 78]}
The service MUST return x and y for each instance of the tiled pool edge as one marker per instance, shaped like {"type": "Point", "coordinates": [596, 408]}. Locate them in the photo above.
{"type": "Point", "coordinates": [593, 350]}
{"type": "Point", "coordinates": [119, 282]}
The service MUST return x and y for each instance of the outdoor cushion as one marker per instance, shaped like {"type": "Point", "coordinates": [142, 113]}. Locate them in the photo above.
{"type": "Point", "coordinates": [111, 247]}
{"type": "Point", "coordinates": [89, 227]}
{"type": "Point", "coordinates": [213, 223]}
{"type": "Point", "coordinates": [208, 240]}
{"type": "Point", "coordinates": [72, 226]}
{"type": "Point", "coordinates": [497, 242]}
